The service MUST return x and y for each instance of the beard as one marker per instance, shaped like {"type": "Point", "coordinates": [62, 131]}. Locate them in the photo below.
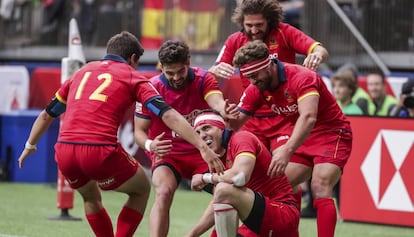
{"type": "Point", "coordinates": [178, 86]}
{"type": "Point", "coordinates": [266, 83]}
{"type": "Point", "coordinates": [260, 36]}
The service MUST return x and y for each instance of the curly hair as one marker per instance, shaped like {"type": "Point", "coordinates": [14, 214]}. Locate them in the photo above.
{"type": "Point", "coordinates": [173, 51]}
{"type": "Point", "coordinates": [270, 9]}
{"type": "Point", "coordinates": [252, 51]}
{"type": "Point", "coordinates": [124, 44]}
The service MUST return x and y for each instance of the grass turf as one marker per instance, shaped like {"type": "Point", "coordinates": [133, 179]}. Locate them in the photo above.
{"type": "Point", "coordinates": [25, 209]}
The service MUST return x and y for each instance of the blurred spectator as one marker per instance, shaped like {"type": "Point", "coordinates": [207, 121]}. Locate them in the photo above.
{"type": "Point", "coordinates": [85, 12]}
{"type": "Point", "coordinates": [292, 10]}
{"type": "Point", "coordinates": [108, 6]}
{"type": "Point", "coordinates": [361, 97]}
{"type": "Point", "coordinates": [55, 15]}
{"type": "Point", "coordinates": [6, 9]}
{"type": "Point", "coordinates": [376, 87]}
{"type": "Point", "coordinates": [344, 87]}
{"type": "Point", "coordinates": [53, 10]}
{"type": "Point", "coordinates": [405, 106]}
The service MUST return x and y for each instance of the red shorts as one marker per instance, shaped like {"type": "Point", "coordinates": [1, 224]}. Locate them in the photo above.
{"type": "Point", "coordinates": [186, 165]}
{"type": "Point", "coordinates": [109, 165]}
{"type": "Point", "coordinates": [326, 146]}
{"type": "Point", "coordinates": [279, 219]}
{"type": "Point", "coordinates": [267, 129]}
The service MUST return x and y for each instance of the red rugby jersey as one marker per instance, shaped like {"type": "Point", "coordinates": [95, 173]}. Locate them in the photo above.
{"type": "Point", "coordinates": [97, 97]}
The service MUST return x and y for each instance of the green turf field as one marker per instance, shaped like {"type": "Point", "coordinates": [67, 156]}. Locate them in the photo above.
{"type": "Point", "coordinates": [25, 208]}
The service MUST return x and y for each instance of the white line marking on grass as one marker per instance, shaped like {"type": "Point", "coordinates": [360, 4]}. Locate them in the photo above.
{"type": "Point", "coordinates": [6, 235]}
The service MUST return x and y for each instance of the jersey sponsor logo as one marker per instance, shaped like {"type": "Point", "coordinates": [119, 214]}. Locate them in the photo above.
{"type": "Point", "coordinates": [288, 96]}
{"type": "Point", "coordinates": [273, 45]}
{"type": "Point", "coordinates": [387, 170]}
{"type": "Point", "coordinates": [106, 182]}
{"type": "Point", "coordinates": [281, 138]}
{"type": "Point", "coordinates": [229, 162]}
{"type": "Point", "coordinates": [285, 110]}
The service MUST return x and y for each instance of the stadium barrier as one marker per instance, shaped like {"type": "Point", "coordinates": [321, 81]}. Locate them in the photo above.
{"type": "Point", "coordinates": [377, 184]}
{"type": "Point", "coordinates": [15, 128]}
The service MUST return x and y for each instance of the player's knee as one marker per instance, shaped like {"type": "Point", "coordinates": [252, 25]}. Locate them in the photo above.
{"type": "Point", "coordinates": [321, 189]}
{"type": "Point", "coordinates": [164, 193]}
{"type": "Point", "coordinates": [223, 192]}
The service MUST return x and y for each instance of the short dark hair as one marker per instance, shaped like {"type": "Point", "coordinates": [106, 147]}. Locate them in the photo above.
{"type": "Point", "coordinates": [270, 9]}
{"type": "Point", "coordinates": [124, 44]}
{"type": "Point", "coordinates": [174, 51]}
{"type": "Point", "coordinates": [252, 51]}
{"type": "Point", "coordinates": [379, 73]}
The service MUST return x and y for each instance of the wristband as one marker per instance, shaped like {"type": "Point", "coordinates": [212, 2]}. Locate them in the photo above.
{"type": "Point", "coordinates": [148, 145]}
{"type": "Point", "coordinates": [208, 178]}
{"type": "Point", "coordinates": [29, 146]}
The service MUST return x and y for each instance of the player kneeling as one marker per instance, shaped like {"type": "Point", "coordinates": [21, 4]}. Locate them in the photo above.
{"type": "Point", "coordinates": [266, 206]}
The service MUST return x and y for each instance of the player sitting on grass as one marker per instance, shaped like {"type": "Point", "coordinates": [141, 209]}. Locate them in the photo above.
{"type": "Point", "coordinates": [265, 206]}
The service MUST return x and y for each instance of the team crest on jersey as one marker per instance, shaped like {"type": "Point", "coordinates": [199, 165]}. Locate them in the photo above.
{"type": "Point", "coordinates": [229, 163]}
{"type": "Point", "coordinates": [288, 96]}
{"type": "Point", "coordinates": [273, 43]}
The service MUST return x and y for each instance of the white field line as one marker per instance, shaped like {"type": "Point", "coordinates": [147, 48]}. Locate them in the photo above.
{"type": "Point", "coordinates": [7, 235]}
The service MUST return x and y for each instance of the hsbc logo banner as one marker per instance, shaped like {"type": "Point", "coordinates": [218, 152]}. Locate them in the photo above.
{"type": "Point", "coordinates": [378, 181]}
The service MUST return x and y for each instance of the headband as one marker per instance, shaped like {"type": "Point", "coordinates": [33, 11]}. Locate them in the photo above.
{"type": "Point", "coordinates": [254, 66]}
{"type": "Point", "coordinates": [211, 119]}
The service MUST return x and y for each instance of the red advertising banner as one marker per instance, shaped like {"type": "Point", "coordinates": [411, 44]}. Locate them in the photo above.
{"type": "Point", "coordinates": [378, 181]}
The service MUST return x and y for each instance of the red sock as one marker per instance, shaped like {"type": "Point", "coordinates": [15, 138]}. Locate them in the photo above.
{"type": "Point", "coordinates": [101, 224]}
{"type": "Point", "coordinates": [325, 217]}
{"type": "Point", "coordinates": [213, 233]}
{"type": "Point", "coordinates": [128, 221]}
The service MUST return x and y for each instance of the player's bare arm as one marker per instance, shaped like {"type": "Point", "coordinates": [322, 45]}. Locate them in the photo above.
{"type": "Point", "coordinates": [227, 110]}
{"type": "Point", "coordinates": [158, 146]}
{"type": "Point", "coordinates": [308, 109]}
{"type": "Point", "coordinates": [40, 126]}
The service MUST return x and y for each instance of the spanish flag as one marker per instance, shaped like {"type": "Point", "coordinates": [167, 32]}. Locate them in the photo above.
{"type": "Point", "coordinates": [195, 22]}
{"type": "Point", "coordinates": [152, 24]}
